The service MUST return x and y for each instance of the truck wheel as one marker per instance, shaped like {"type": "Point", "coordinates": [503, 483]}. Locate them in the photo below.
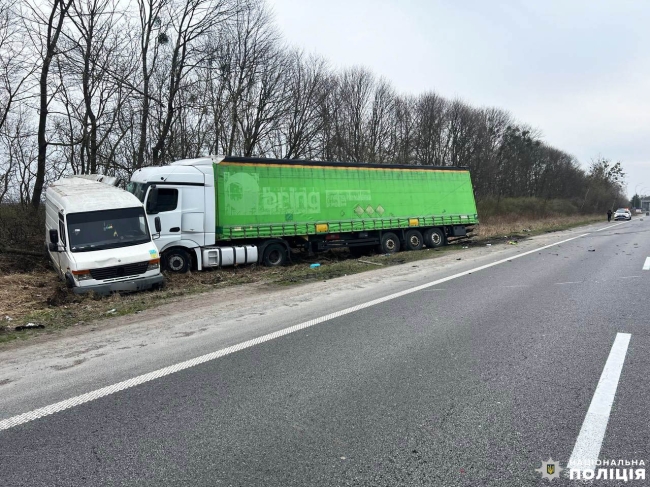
{"type": "Point", "coordinates": [434, 237]}
{"type": "Point", "coordinates": [177, 260]}
{"type": "Point", "coordinates": [414, 240]}
{"type": "Point", "coordinates": [389, 243]}
{"type": "Point", "coordinates": [275, 255]}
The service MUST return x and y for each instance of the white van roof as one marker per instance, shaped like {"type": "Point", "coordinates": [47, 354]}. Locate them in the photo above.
{"type": "Point", "coordinates": [77, 195]}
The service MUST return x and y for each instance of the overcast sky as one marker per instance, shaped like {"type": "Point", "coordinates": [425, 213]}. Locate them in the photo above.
{"type": "Point", "coordinates": [577, 70]}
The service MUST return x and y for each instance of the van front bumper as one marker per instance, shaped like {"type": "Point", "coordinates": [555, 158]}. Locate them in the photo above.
{"type": "Point", "coordinates": [131, 285]}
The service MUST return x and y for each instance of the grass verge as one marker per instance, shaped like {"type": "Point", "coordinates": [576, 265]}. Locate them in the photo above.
{"type": "Point", "coordinates": [38, 297]}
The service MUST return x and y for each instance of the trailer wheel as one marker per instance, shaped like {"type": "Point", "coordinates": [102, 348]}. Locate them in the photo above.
{"type": "Point", "coordinates": [274, 255]}
{"type": "Point", "coordinates": [414, 240]}
{"type": "Point", "coordinates": [177, 260]}
{"type": "Point", "coordinates": [434, 237]}
{"type": "Point", "coordinates": [389, 243]}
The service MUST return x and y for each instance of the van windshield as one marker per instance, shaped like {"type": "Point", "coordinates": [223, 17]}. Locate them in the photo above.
{"type": "Point", "coordinates": [108, 229]}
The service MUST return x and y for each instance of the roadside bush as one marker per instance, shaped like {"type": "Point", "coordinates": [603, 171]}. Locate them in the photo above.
{"type": "Point", "coordinates": [525, 208]}
{"type": "Point", "coordinates": [22, 233]}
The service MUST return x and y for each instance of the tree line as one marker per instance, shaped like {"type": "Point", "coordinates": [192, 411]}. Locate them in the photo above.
{"type": "Point", "coordinates": [109, 86]}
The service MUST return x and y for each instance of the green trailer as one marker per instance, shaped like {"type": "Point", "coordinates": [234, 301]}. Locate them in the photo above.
{"type": "Point", "coordinates": [275, 205]}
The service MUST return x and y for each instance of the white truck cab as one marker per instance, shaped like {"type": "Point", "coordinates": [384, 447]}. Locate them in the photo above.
{"type": "Point", "coordinates": [98, 239]}
{"type": "Point", "coordinates": [182, 197]}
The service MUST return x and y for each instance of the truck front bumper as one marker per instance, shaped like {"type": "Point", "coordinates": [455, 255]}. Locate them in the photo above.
{"type": "Point", "coordinates": [131, 285]}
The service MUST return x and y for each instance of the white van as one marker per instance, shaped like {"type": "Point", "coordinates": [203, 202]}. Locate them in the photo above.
{"type": "Point", "coordinates": [98, 238]}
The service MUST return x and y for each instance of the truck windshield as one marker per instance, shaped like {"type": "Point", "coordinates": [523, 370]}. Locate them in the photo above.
{"type": "Point", "coordinates": [139, 190]}
{"type": "Point", "coordinates": [108, 229]}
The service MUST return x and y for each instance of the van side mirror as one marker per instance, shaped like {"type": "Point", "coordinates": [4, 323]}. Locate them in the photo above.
{"type": "Point", "coordinates": [152, 200]}
{"type": "Point", "coordinates": [53, 244]}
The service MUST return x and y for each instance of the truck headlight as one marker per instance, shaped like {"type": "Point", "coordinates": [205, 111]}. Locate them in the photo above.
{"type": "Point", "coordinates": [153, 265]}
{"type": "Point", "coordinates": [82, 275]}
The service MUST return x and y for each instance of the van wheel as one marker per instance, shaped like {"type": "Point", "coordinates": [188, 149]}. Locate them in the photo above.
{"type": "Point", "coordinates": [389, 243]}
{"type": "Point", "coordinates": [434, 237]}
{"type": "Point", "coordinates": [274, 255]}
{"type": "Point", "coordinates": [414, 240]}
{"type": "Point", "coordinates": [69, 281]}
{"type": "Point", "coordinates": [177, 260]}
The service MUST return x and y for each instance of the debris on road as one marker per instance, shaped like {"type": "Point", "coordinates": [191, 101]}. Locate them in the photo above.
{"type": "Point", "coordinates": [591, 250]}
{"type": "Point", "coordinates": [512, 242]}
{"type": "Point", "coordinates": [29, 326]}
{"type": "Point", "coordinates": [111, 311]}
{"type": "Point", "coordinates": [314, 266]}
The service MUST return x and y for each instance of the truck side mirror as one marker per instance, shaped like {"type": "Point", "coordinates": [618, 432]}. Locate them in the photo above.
{"type": "Point", "coordinates": [158, 227]}
{"type": "Point", "coordinates": [152, 200]}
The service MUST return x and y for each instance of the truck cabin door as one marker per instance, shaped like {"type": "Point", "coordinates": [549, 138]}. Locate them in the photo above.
{"type": "Point", "coordinates": [164, 202]}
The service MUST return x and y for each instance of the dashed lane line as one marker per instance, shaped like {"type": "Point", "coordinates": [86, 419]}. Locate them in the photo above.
{"type": "Point", "coordinates": [590, 439]}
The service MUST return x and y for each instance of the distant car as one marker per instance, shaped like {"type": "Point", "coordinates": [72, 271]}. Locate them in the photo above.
{"type": "Point", "coordinates": [622, 214]}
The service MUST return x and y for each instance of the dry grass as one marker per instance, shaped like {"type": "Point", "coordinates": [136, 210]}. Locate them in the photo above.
{"type": "Point", "coordinates": [500, 226]}
{"type": "Point", "coordinates": [21, 293]}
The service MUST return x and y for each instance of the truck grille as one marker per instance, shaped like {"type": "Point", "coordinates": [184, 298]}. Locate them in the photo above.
{"type": "Point", "coordinates": [120, 271]}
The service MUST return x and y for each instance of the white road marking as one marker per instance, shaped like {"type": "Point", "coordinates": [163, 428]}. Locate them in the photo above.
{"type": "Point", "coordinates": [569, 282]}
{"type": "Point", "coordinates": [629, 277]}
{"type": "Point", "coordinates": [609, 226]}
{"type": "Point", "coordinates": [646, 266]}
{"type": "Point", "coordinates": [590, 440]}
{"type": "Point", "coordinates": [127, 384]}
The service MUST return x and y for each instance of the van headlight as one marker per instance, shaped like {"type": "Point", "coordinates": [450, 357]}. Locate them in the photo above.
{"type": "Point", "coordinates": [82, 275]}
{"type": "Point", "coordinates": [154, 264]}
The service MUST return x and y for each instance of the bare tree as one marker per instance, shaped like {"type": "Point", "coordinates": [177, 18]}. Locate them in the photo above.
{"type": "Point", "coordinates": [47, 25]}
{"type": "Point", "coordinates": [16, 67]}
{"type": "Point", "coordinates": [355, 94]}
{"type": "Point", "coordinates": [151, 37]}
{"type": "Point", "coordinates": [431, 113]}
{"type": "Point", "coordinates": [403, 131]}
{"type": "Point", "coordinates": [299, 128]}
{"type": "Point", "coordinates": [94, 49]}
{"type": "Point", "coordinates": [189, 23]}
{"type": "Point", "coordinates": [379, 122]}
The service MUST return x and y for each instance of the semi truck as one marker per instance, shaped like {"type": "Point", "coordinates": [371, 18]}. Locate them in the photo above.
{"type": "Point", "coordinates": [98, 238]}
{"type": "Point", "coordinates": [220, 211]}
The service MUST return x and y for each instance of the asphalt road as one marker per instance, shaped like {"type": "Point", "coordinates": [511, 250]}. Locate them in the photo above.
{"type": "Point", "coordinates": [474, 381]}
